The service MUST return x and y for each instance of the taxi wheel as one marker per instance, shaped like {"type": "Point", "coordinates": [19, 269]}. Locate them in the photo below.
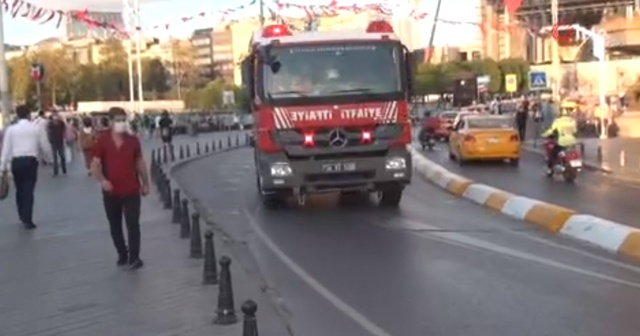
{"type": "Point", "coordinates": [514, 162]}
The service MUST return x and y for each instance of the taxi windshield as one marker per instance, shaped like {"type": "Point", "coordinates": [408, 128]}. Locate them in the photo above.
{"type": "Point", "coordinates": [489, 123]}
{"type": "Point", "coordinates": [334, 70]}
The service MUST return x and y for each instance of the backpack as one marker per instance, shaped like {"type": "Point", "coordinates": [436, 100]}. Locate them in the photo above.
{"type": "Point", "coordinates": [87, 140]}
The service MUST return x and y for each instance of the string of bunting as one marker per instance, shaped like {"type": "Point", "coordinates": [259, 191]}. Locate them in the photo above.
{"type": "Point", "coordinates": [35, 13]}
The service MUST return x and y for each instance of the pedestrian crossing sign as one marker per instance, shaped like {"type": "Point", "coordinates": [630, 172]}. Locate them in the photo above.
{"type": "Point", "coordinates": [537, 80]}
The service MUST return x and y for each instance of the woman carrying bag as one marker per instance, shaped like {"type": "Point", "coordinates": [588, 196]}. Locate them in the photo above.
{"type": "Point", "coordinates": [87, 139]}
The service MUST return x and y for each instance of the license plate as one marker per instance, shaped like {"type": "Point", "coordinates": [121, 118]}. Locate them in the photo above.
{"type": "Point", "coordinates": [575, 163]}
{"type": "Point", "coordinates": [339, 167]}
{"type": "Point", "coordinates": [492, 140]}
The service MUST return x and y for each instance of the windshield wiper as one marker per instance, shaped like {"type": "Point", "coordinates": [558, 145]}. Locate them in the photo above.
{"type": "Point", "coordinates": [298, 92]}
{"type": "Point", "coordinates": [351, 90]}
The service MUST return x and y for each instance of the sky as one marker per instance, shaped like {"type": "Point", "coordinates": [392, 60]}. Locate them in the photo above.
{"type": "Point", "coordinates": [21, 31]}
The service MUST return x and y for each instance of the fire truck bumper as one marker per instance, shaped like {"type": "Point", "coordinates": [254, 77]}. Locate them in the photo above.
{"type": "Point", "coordinates": [277, 173]}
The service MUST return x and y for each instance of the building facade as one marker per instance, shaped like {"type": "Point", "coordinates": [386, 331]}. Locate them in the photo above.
{"type": "Point", "coordinates": [202, 42]}
{"type": "Point", "coordinates": [223, 61]}
{"type": "Point", "coordinates": [76, 29]}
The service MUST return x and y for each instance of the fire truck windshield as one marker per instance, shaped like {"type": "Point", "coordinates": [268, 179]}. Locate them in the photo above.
{"type": "Point", "coordinates": [335, 70]}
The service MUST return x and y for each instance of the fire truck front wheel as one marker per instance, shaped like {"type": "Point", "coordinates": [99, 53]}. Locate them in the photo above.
{"type": "Point", "coordinates": [390, 197]}
{"type": "Point", "coordinates": [270, 200]}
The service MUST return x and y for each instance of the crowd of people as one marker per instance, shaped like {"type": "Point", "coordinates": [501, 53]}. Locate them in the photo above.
{"type": "Point", "coordinates": [112, 153]}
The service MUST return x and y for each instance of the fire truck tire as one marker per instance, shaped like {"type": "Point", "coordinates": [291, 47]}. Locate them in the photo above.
{"type": "Point", "coordinates": [270, 201]}
{"type": "Point", "coordinates": [391, 197]}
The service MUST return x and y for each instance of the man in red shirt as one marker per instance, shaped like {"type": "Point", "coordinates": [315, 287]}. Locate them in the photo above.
{"type": "Point", "coordinates": [119, 166]}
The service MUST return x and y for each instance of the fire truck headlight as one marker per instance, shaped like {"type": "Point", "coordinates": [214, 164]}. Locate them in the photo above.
{"type": "Point", "coordinates": [281, 169]}
{"type": "Point", "coordinates": [396, 163]}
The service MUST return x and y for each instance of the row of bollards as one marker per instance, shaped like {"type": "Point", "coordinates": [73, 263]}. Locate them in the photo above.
{"type": "Point", "coordinates": [189, 221]}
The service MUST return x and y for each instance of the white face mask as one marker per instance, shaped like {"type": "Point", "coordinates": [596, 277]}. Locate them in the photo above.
{"type": "Point", "coordinates": [120, 127]}
{"type": "Point", "coordinates": [87, 129]}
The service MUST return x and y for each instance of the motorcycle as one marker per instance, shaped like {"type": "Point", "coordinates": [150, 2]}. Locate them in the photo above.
{"type": "Point", "coordinates": [427, 140]}
{"type": "Point", "coordinates": [568, 162]}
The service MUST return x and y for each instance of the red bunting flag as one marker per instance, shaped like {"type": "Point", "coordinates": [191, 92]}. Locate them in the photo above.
{"type": "Point", "coordinates": [512, 6]}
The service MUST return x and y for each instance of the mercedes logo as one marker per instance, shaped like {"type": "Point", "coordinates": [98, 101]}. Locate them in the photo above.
{"type": "Point", "coordinates": [337, 138]}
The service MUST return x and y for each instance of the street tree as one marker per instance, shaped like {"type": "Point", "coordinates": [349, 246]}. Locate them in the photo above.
{"type": "Point", "coordinates": [182, 67]}
{"type": "Point", "coordinates": [155, 77]}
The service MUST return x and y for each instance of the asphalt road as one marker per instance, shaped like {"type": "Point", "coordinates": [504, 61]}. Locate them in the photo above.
{"type": "Point", "coordinates": [437, 266]}
{"type": "Point", "coordinates": [593, 193]}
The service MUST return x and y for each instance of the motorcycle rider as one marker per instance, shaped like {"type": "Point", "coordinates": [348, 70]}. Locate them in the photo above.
{"type": "Point", "coordinates": [430, 126]}
{"type": "Point", "coordinates": [563, 131]}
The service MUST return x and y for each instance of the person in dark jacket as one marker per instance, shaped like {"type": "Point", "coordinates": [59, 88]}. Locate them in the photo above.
{"type": "Point", "coordinates": [166, 128]}
{"type": "Point", "coordinates": [56, 131]}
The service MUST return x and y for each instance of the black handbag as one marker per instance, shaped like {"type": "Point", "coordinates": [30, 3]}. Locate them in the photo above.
{"type": "Point", "coordinates": [4, 185]}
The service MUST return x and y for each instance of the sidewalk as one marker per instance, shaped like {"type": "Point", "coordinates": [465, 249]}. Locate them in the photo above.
{"type": "Point", "coordinates": [61, 279]}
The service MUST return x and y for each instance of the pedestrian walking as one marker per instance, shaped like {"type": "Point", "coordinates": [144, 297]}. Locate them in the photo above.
{"type": "Point", "coordinates": [522, 116]}
{"type": "Point", "coordinates": [120, 168]}
{"type": "Point", "coordinates": [57, 131]}
{"type": "Point", "coordinates": [165, 124]}
{"type": "Point", "coordinates": [87, 140]}
{"type": "Point", "coordinates": [23, 143]}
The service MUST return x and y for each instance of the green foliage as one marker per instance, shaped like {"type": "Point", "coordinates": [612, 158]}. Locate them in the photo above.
{"type": "Point", "coordinates": [210, 97]}
{"type": "Point", "coordinates": [438, 78]}
{"type": "Point", "coordinates": [67, 80]}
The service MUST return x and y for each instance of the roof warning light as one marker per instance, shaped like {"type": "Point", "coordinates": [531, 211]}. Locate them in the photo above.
{"type": "Point", "coordinates": [275, 30]}
{"type": "Point", "coordinates": [379, 26]}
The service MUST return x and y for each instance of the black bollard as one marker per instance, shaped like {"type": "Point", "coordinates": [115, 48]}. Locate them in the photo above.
{"type": "Point", "coordinates": [188, 151]}
{"type": "Point", "coordinates": [246, 139]}
{"type": "Point", "coordinates": [167, 200]}
{"type": "Point", "coordinates": [197, 148]}
{"type": "Point", "coordinates": [225, 314]}
{"type": "Point", "coordinates": [172, 151]}
{"type": "Point", "coordinates": [599, 154]}
{"type": "Point", "coordinates": [210, 273]}
{"type": "Point", "coordinates": [181, 152]}
{"type": "Point", "coordinates": [196, 239]}
{"type": "Point", "coordinates": [160, 186]}
{"type": "Point", "coordinates": [250, 324]}
{"type": "Point", "coordinates": [177, 208]}
{"type": "Point", "coordinates": [165, 155]}
{"type": "Point", "coordinates": [206, 148]}
{"type": "Point", "coordinates": [185, 225]}
{"type": "Point", "coordinates": [213, 145]}
{"type": "Point", "coordinates": [219, 144]}
{"type": "Point", "coordinates": [237, 140]}
{"type": "Point", "coordinates": [229, 142]}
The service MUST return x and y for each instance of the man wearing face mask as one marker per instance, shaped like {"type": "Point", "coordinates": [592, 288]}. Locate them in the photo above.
{"type": "Point", "coordinates": [87, 140]}
{"type": "Point", "coordinates": [120, 168]}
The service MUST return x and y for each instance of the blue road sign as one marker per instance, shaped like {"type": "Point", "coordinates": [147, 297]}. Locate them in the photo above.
{"type": "Point", "coordinates": [537, 80]}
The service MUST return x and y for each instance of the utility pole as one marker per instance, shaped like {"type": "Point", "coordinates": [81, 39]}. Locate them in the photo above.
{"type": "Point", "coordinates": [261, 4]}
{"type": "Point", "coordinates": [4, 78]}
{"type": "Point", "coordinates": [138, 23]}
{"type": "Point", "coordinates": [555, 55]}
{"type": "Point", "coordinates": [129, 28]}
{"type": "Point", "coordinates": [433, 31]}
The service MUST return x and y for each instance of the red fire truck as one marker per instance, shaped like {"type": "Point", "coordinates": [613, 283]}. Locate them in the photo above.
{"type": "Point", "coordinates": [330, 111]}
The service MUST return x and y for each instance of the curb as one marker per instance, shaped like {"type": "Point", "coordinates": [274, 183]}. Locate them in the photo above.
{"type": "Point", "coordinates": [608, 235]}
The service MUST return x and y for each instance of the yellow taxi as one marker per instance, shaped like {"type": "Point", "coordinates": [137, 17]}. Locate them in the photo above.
{"type": "Point", "coordinates": [484, 137]}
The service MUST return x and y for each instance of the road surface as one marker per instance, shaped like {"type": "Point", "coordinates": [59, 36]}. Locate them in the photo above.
{"type": "Point", "coordinates": [593, 192]}
{"type": "Point", "coordinates": [437, 266]}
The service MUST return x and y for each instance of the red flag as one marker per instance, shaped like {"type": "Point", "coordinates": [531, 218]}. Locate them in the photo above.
{"type": "Point", "coordinates": [512, 6]}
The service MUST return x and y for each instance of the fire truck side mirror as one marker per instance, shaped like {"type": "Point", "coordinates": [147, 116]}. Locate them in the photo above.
{"type": "Point", "coordinates": [247, 75]}
{"type": "Point", "coordinates": [411, 73]}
